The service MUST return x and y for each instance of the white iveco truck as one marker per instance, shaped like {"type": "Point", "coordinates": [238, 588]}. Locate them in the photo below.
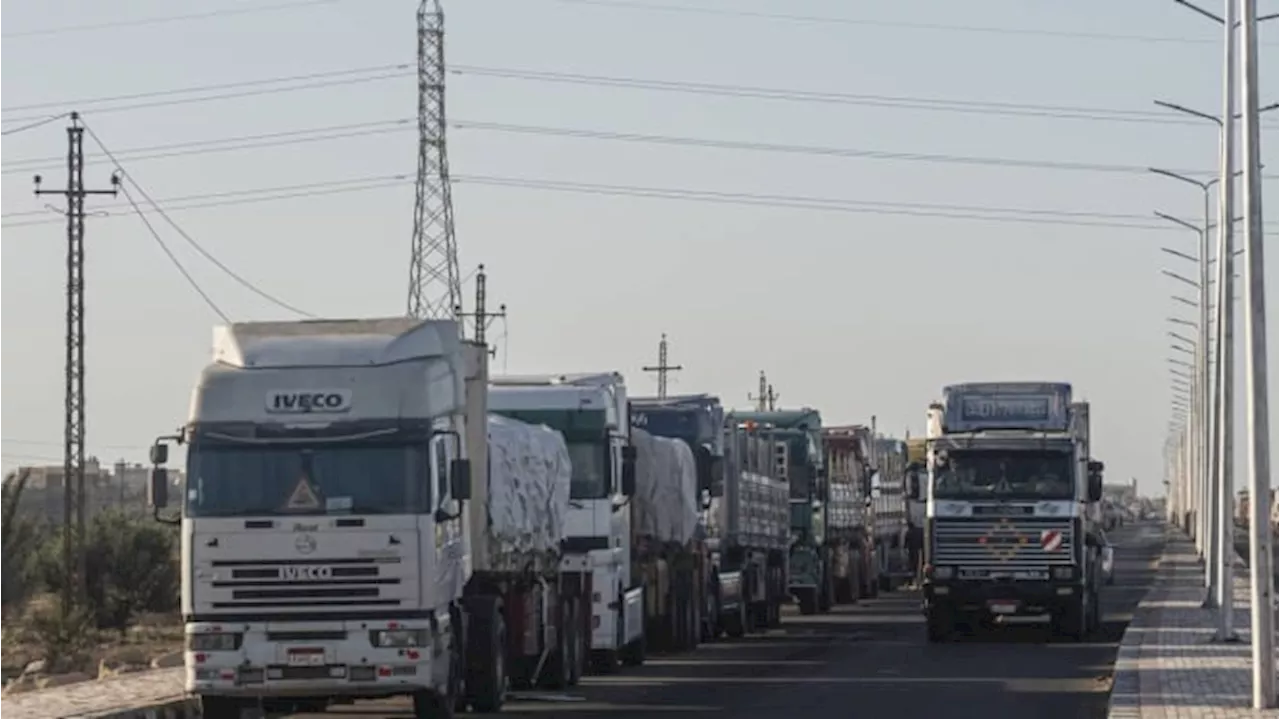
{"type": "Point", "coordinates": [1009, 531]}
{"type": "Point", "coordinates": [591, 412]}
{"type": "Point", "coordinates": [324, 543]}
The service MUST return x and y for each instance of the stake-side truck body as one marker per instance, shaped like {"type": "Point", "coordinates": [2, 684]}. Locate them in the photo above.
{"type": "Point", "coordinates": [822, 523]}
{"type": "Point", "coordinates": [590, 411]}
{"type": "Point", "coordinates": [1009, 529]}
{"type": "Point", "coordinates": [324, 549]}
{"type": "Point", "coordinates": [748, 527]}
{"type": "Point", "coordinates": [890, 512]}
{"type": "Point", "coordinates": [848, 452]}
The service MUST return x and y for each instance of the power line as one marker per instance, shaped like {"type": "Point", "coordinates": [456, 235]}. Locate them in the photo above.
{"type": "Point", "coordinates": [979, 107]}
{"type": "Point", "coordinates": [208, 15]}
{"type": "Point", "coordinates": [46, 443]}
{"type": "Point", "coordinates": [324, 134]}
{"type": "Point", "coordinates": [191, 241]}
{"type": "Point", "coordinates": [894, 24]}
{"type": "Point", "coordinates": [230, 144]}
{"type": "Point", "coordinates": [945, 211]}
{"type": "Point", "coordinates": [383, 72]}
{"type": "Point", "coordinates": [33, 125]}
{"type": "Point", "coordinates": [174, 259]}
{"type": "Point", "coordinates": [241, 94]}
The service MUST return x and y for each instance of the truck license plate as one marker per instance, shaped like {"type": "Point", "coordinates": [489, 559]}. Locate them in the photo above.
{"type": "Point", "coordinates": [306, 657]}
{"type": "Point", "coordinates": [1003, 607]}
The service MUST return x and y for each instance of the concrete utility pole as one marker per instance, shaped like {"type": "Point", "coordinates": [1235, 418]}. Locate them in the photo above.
{"type": "Point", "coordinates": [1224, 397]}
{"type": "Point", "coordinates": [662, 368]}
{"type": "Point", "coordinates": [74, 427]}
{"type": "Point", "coordinates": [435, 287]}
{"type": "Point", "coordinates": [1257, 394]}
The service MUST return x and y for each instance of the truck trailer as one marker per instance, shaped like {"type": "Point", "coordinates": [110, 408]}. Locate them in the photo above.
{"type": "Point", "coordinates": [697, 421]}
{"type": "Point", "coordinates": [748, 529]}
{"type": "Point", "coordinates": [1009, 527]}
{"type": "Point", "coordinates": [848, 459]}
{"type": "Point", "coordinates": [889, 509]}
{"type": "Point", "coordinates": [324, 544]}
{"type": "Point", "coordinates": [820, 523]}
{"type": "Point", "coordinates": [590, 410]}
{"type": "Point", "coordinates": [669, 560]}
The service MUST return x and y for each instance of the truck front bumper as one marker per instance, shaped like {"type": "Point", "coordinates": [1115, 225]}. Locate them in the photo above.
{"type": "Point", "coordinates": [344, 663]}
{"type": "Point", "coordinates": [1021, 598]}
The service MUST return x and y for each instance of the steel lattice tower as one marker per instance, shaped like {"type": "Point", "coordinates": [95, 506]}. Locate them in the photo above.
{"type": "Point", "coordinates": [435, 289]}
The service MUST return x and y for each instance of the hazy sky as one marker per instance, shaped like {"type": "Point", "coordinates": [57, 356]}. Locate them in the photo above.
{"type": "Point", "coordinates": [857, 313]}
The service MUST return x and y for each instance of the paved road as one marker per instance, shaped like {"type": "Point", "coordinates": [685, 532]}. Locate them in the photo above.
{"type": "Point", "coordinates": [871, 659]}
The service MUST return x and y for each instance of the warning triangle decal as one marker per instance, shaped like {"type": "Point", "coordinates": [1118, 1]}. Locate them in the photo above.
{"type": "Point", "coordinates": [304, 496]}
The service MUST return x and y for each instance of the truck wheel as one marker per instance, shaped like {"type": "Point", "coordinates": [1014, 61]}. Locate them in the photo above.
{"type": "Point", "coordinates": [430, 705]}
{"type": "Point", "coordinates": [808, 600]}
{"type": "Point", "coordinates": [578, 645]}
{"type": "Point", "coordinates": [1071, 622]}
{"type": "Point", "coordinates": [556, 673]}
{"type": "Point", "coordinates": [632, 655]}
{"type": "Point", "coordinates": [939, 625]}
{"type": "Point", "coordinates": [486, 655]}
{"type": "Point", "coordinates": [214, 707]}
{"type": "Point", "coordinates": [735, 625]}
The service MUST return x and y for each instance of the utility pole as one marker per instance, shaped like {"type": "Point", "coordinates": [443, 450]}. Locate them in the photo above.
{"type": "Point", "coordinates": [765, 398]}
{"type": "Point", "coordinates": [662, 368]}
{"type": "Point", "coordinates": [1257, 399]}
{"type": "Point", "coordinates": [1224, 405]}
{"type": "Point", "coordinates": [73, 435]}
{"type": "Point", "coordinates": [481, 317]}
{"type": "Point", "coordinates": [435, 288]}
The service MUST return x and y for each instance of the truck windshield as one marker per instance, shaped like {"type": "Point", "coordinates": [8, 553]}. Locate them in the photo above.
{"type": "Point", "coordinates": [235, 480]}
{"type": "Point", "coordinates": [1015, 475]}
{"type": "Point", "coordinates": [590, 479]}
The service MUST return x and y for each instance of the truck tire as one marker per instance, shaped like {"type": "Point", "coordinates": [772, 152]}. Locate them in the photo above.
{"type": "Point", "coordinates": [215, 707]}
{"type": "Point", "coordinates": [939, 625]}
{"type": "Point", "coordinates": [735, 625]}
{"type": "Point", "coordinates": [486, 660]}
{"type": "Point", "coordinates": [557, 672]}
{"type": "Point", "coordinates": [1072, 622]}
{"type": "Point", "coordinates": [808, 601]}
{"type": "Point", "coordinates": [580, 644]}
{"type": "Point", "coordinates": [632, 655]}
{"type": "Point", "coordinates": [430, 705]}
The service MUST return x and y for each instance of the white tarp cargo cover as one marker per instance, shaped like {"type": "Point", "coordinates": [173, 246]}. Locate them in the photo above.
{"type": "Point", "coordinates": [529, 472]}
{"type": "Point", "coordinates": [666, 501]}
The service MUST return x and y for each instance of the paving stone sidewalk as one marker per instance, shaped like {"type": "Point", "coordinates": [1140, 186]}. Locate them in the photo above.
{"type": "Point", "coordinates": [104, 697]}
{"type": "Point", "coordinates": [1168, 667]}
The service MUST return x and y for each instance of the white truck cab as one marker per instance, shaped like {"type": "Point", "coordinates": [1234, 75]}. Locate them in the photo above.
{"type": "Point", "coordinates": [591, 411]}
{"type": "Point", "coordinates": [323, 548]}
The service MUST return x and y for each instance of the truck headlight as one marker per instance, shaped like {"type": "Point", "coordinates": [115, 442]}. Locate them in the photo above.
{"type": "Point", "coordinates": [1063, 572]}
{"type": "Point", "coordinates": [943, 572]}
{"type": "Point", "coordinates": [398, 638]}
{"type": "Point", "coordinates": [214, 642]}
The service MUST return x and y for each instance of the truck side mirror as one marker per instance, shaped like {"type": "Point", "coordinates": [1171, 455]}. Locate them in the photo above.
{"type": "Point", "coordinates": [628, 471]}
{"type": "Point", "coordinates": [158, 490]}
{"type": "Point", "coordinates": [159, 453]}
{"type": "Point", "coordinates": [1095, 487]}
{"type": "Point", "coordinates": [460, 478]}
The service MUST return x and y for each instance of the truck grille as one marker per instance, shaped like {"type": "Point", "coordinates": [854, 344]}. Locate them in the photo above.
{"type": "Point", "coordinates": [1003, 543]}
{"type": "Point", "coordinates": [306, 584]}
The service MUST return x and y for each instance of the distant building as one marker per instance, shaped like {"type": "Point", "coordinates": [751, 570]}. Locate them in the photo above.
{"type": "Point", "coordinates": [124, 486]}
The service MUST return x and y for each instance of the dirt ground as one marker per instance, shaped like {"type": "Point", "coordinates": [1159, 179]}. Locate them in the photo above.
{"type": "Point", "coordinates": [151, 638]}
